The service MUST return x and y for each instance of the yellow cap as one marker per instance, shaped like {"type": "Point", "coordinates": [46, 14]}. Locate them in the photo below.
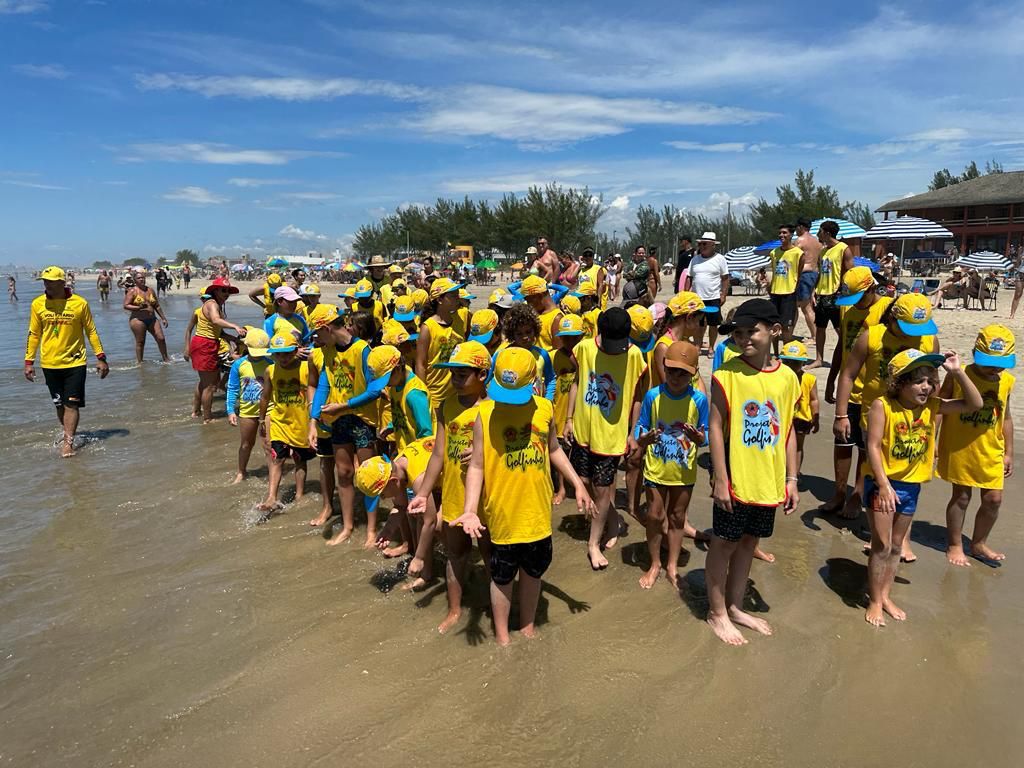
{"type": "Point", "coordinates": [394, 333]}
{"type": "Point", "coordinates": [496, 295]}
{"type": "Point", "coordinates": [372, 476]}
{"type": "Point", "coordinates": [570, 304]}
{"type": "Point", "coordinates": [515, 370]}
{"type": "Point", "coordinates": [909, 359]}
{"type": "Point", "coordinates": [570, 325]}
{"type": "Point", "coordinates": [274, 280]}
{"type": "Point", "coordinates": [364, 289]}
{"type": "Point", "coordinates": [52, 273]}
{"type": "Point", "coordinates": [405, 308]}
{"type": "Point", "coordinates": [534, 285]}
{"type": "Point", "coordinates": [282, 343]}
{"type": "Point", "coordinates": [464, 294]}
{"type": "Point", "coordinates": [482, 325]}
{"type": "Point", "coordinates": [856, 282]}
{"type": "Point", "coordinates": [256, 341]}
{"type": "Point", "coordinates": [419, 297]}
{"type": "Point", "coordinates": [323, 314]}
{"type": "Point", "coordinates": [350, 292]}
{"type": "Point", "coordinates": [441, 286]}
{"type": "Point", "coordinates": [383, 360]}
{"type": "Point", "coordinates": [399, 283]}
{"type": "Point", "coordinates": [309, 289]}
{"type": "Point", "coordinates": [794, 350]}
{"type": "Point", "coordinates": [642, 322]}
{"type": "Point", "coordinates": [995, 346]}
{"type": "Point", "coordinates": [394, 269]}
{"type": "Point", "coordinates": [685, 303]}
{"type": "Point", "coordinates": [468, 354]}
{"type": "Point", "coordinates": [913, 314]}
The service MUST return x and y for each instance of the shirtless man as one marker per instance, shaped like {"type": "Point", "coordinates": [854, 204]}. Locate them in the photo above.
{"type": "Point", "coordinates": [654, 276]}
{"type": "Point", "coordinates": [809, 265]}
{"type": "Point", "coordinates": [547, 263]}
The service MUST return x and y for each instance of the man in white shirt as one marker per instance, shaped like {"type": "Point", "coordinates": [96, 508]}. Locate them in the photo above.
{"type": "Point", "coordinates": [708, 277]}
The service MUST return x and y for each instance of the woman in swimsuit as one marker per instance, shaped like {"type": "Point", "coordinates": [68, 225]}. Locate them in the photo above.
{"type": "Point", "coordinates": [145, 309]}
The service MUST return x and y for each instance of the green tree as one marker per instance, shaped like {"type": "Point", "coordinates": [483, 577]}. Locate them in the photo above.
{"type": "Point", "coordinates": [186, 254]}
{"type": "Point", "coordinates": [102, 265]}
{"type": "Point", "coordinates": [944, 178]}
{"type": "Point", "coordinates": [134, 262]}
{"type": "Point", "coordinates": [804, 198]}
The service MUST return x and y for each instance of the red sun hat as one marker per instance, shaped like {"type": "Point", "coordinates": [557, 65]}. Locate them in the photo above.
{"type": "Point", "coordinates": [221, 282]}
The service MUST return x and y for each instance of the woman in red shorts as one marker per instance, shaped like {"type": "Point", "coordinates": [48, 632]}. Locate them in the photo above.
{"type": "Point", "coordinates": [204, 346]}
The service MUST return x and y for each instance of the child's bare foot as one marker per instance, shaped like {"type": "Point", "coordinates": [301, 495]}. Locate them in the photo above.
{"type": "Point", "coordinates": [650, 576]}
{"type": "Point", "coordinates": [397, 551]}
{"type": "Point", "coordinates": [597, 561]}
{"type": "Point", "coordinates": [299, 494]}
{"type": "Point", "coordinates": [672, 577]}
{"type": "Point", "coordinates": [449, 621]}
{"type": "Point", "coordinates": [894, 610]}
{"type": "Point", "coordinates": [985, 552]}
{"type": "Point", "coordinates": [503, 642]}
{"type": "Point", "coordinates": [760, 554]}
{"type": "Point", "coordinates": [239, 478]}
{"type": "Point", "coordinates": [955, 556]}
{"type": "Point", "coordinates": [851, 510]}
{"type": "Point", "coordinates": [67, 448]}
{"type": "Point", "coordinates": [269, 505]}
{"type": "Point", "coordinates": [611, 542]}
{"type": "Point", "coordinates": [751, 622]}
{"type": "Point", "coordinates": [194, 415]}
{"type": "Point", "coordinates": [415, 566]}
{"type": "Point", "coordinates": [340, 537]}
{"type": "Point", "coordinates": [415, 585]}
{"type": "Point", "coordinates": [529, 632]}
{"type": "Point", "coordinates": [726, 630]}
{"type": "Point", "coordinates": [323, 517]}
{"type": "Point", "coordinates": [907, 555]}
{"type": "Point", "coordinates": [371, 541]}
{"type": "Point", "coordinates": [873, 615]}
{"type": "Point", "coordinates": [558, 498]}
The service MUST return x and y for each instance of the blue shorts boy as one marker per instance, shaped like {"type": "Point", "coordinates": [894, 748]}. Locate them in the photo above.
{"type": "Point", "coordinates": [906, 495]}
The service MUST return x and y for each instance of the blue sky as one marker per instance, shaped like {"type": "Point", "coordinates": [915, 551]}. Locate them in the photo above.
{"type": "Point", "coordinates": [137, 128]}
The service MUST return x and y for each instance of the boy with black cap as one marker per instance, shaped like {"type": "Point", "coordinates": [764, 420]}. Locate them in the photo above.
{"type": "Point", "coordinates": [753, 455]}
{"type": "Point", "coordinates": [604, 405]}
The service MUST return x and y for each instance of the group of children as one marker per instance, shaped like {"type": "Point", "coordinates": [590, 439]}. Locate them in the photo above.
{"type": "Point", "coordinates": [474, 425]}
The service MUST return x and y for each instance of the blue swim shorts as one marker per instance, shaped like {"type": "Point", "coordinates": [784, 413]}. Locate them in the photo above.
{"type": "Point", "coordinates": [906, 495]}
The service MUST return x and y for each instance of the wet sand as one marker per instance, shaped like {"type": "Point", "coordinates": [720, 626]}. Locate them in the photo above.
{"type": "Point", "coordinates": [144, 620]}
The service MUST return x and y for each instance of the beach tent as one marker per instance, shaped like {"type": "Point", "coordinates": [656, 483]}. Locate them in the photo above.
{"type": "Point", "coordinates": [487, 264]}
{"type": "Point", "coordinates": [984, 261]}
{"type": "Point", "coordinates": [745, 258]}
{"type": "Point", "coordinates": [276, 262]}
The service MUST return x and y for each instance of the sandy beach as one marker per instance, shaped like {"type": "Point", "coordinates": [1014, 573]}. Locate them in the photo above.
{"type": "Point", "coordinates": [145, 620]}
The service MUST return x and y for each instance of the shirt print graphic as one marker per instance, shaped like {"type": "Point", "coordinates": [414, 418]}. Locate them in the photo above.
{"type": "Point", "coordinates": [761, 425]}
{"type": "Point", "coordinates": [673, 444]}
{"type": "Point", "coordinates": [782, 269]}
{"type": "Point", "coordinates": [988, 415]}
{"type": "Point", "coordinates": [524, 447]}
{"type": "Point", "coordinates": [910, 441]}
{"type": "Point", "coordinates": [251, 390]}
{"type": "Point", "coordinates": [603, 392]}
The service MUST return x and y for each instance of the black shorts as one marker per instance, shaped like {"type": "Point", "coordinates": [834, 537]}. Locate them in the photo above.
{"type": "Point", "coordinates": [785, 305]}
{"type": "Point", "coordinates": [280, 451]}
{"type": "Point", "coordinates": [506, 560]}
{"type": "Point", "coordinates": [826, 311]}
{"type": "Point", "coordinates": [745, 519]}
{"type": "Point", "coordinates": [856, 433]}
{"type": "Point", "coordinates": [66, 385]}
{"type": "Point", "coordinates": [599, 470]}
{"type": "Point", "coordinates": [324, 447]}
{"type": "Point", "coordinates": [713, 319]}
{"type": "Point", "coordinates": [802, 427]}
{"type": "Point", "coordinates": [351, 430]}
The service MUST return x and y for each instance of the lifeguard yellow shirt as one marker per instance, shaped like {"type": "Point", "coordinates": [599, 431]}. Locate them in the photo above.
{"type": "Point", "coordinates": [830, 270]}
{"type": "Point", "coordinates": [807, 385]}
{"type": "Point", "coordinates": [58, 328]}
{"type": "Point", "coordinates": [604, 397]}
{"type": "Point", "coordinates": [852, 323]}
{"type": "Point", "coordinates": [517, 470]}
{"type": "Point", "coordinates": [458, 434]}
{"type": "Point", "coordinates": [883, 346]}
{"type": "Point", "coordinates": [785, 270]}
{"type": "Point", "coordinates": [590, 276]}
{"type": "Point", "coordinates": [972, 445]}
{"type": "Point", "coordinates": [761, 407]}
{"type": "Point", "coordinates": [908, 441]}
{"type": "Point", "coordinates": [289, 418]}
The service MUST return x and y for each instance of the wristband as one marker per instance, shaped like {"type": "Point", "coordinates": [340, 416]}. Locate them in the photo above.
{"type": "Point", "coordinates": [841, 416]}
{"type": "Point", "coordinates": [102, 357]}
{"type": "Point", "coordinates": [792, 479]}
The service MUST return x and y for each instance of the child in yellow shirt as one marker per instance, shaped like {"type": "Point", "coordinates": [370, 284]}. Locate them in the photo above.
{"type": "Point", "coordinates": [805, 421]}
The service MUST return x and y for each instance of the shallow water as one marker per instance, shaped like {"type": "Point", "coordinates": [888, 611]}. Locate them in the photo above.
{"type": "Point", "coordinates": [145, 620]}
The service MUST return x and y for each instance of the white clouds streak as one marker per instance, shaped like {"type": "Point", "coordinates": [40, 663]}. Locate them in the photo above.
{"type": "Point", "coordinates": [279, 88]}
{"type": "Point", "coordinates": [33, 185]}
{"type": "Point", "coordinates": [195, 196]}
{"type": "Point", "coordinates": [18, 7]}
{"type": "Point", "coordinates": [41, 71]}
{"type": "Point", "coordinates": [306, 235]}
{"type": "Point", "coordinates": [247, 183]}
{"type": "Point", "coordinates": [216, 154]}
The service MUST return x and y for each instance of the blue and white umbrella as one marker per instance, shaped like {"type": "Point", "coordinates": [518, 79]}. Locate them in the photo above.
{"type": "Point", "coordinates": [984, 261]}
{"type": "Point", "coordinates": [769, 245]}
{"type": "Point", "coordinates": [847, 229]}
{"type": "Point", "coordinates": [276, 262]}
{"type": "Point", "coordinates": [908, 228]}
{"type": "Point", "coordinates": [746, 258]}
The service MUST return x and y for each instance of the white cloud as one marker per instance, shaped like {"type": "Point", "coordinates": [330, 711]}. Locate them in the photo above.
{"type": "Point", "coordinates": [255, 183]}
{"type": "Point", "coordinates": [696, 146]}
{"type": "Point", "coordinates": [515, 182]}
{"type": "Point", "coordinates": [223, 249]}
{"type": "Point", "coordinates": [33, 185]}
{"type": "Point", "coordinates": [620, 203]}
{"type": "Point", "coordinates": [22, 6]}
{"type": "Point", "coordinates": [313, 196]}
{"type": "Point", "coordinates": [195, 196]}
{"type": "Point", "coordinates": [302, 234]}
{"type": "Point", "coordinates": [281, 88]}
{"type": "Point", "coordinates": [940, 134]}
{"type": "Point", "coordinates": [42, 71]}
{"type": "Point", "coordinates": [216, 154]}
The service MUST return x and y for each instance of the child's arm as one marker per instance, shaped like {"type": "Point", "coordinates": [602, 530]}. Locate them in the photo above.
{"type": "Point", "coordinates": [792, 467]}
{"type": "Point", "coordinates": [418, 504]}
{"type": "Point", "coordinates": [469, 520]}
{"type": "Point", "coordinates": [971, 400]}
{"type": "Point", "coordinates": [567, 433]}
{"type": "Point", "coordinates": [256, 297]}
{"type": "Point", "coordinates": [854, 362]}
{"type": "Point", "coordinates": [550, 379]}
{"type": "Point", "coordinates": [634, 412]}
{"type": "Point", "coordinates": [643, 433]}
{"type": "Point", "coordinates": [188, 333]}
{"type": "Point", "coordinates": [876, 426]}
{"type": "Point", "coordinates": [1007, 439]}
{"type": "Point", "coordinates": [700, 429]}
{"type": "Point", "coordinates": [815, 409]}
{"type": "Point", "coordinates": [422, 350]}
{"type": "Point", "coordinates": [584, 504]}
{"type": "Point", "coordinates": [231, 402]}
{"type": "Point", "coordinates": [263, 429]}
{"type": "Point", "coordinates": [719, 413]}
{"type": "Point", "coordinates": [419, 406]}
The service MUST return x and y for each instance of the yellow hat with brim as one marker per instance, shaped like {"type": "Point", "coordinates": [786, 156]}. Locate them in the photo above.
{"type": "Point", "coordinates": [309, 289]}
{"type": "Point", "coordinates": [274, 279]}
{"type": "Point", "coordinates": [394, 269]}
{"type": "Point", "coordinates": [570, 325]}
{"type": "Point", "coordinates": [570, 304]}
{"type": "Point", "coordinates": [419, 297]}
{"type": "Point", "coordinates": [468, 354]}
{"type": "Point", "coordinates": [371, 478]}
{"type": "Point", "coordinates": [534, 285]}
{"type": "Point", "coordinates": [482, 325]}
{"type": "Point", "coordinates": [995, 346]}
{"type": "Point", "coordinates": [364, 289]}
{"type": "Point", "coordinates": [395, 334]}
{"type": "Point", "coordinates": [405, 309]}
{"type": "Point", "coordinates": [583, 289]}
{"type": "Point", "coordinates": [465, 295]}
{"type": "Point", "coordinates": [794, 350]}
{"type": "Point", "coordinates": [913, 314]}
{"type": "Point", "coordinates": [52, 273]}
{"type": "Point", "coordinates": [382, 361]}
{"type": "Point", "coordinates": [441, 286]}
{"type": "Point", "coordinates": [686, 303]}
{"type": "Point", "coordinates": [909, 359]}
{"type": "Point", "coordinates": [324, 314]}
{"type": "Point", "coordinates": [856, 282]}
{"type": "Point", "coordinates": [642, 327]}
{"type": "Point", "coordinates": [515, 370]}
{"type": "Point", "coordinates": [280, 344]}
{"type": "Point", "coordinates": [256, 341]}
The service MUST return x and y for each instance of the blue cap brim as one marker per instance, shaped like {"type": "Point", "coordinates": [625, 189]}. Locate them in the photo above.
{"type": "Point", "coordinates": [483, 338]}
{"type": "Point", "coordinates": [359, 295]}
{"type": "Point", "coordinates": [646, 346]}
{"type": "Point", "coordinates": [927, 328]}
{"type": "Point", "coordinates": [467, 298]}
{"type": "Point", "coordinates": [405, 317]}
{"type": "Point", "coordinates": [283, 349]}
{"type": "Point", "coordinates": [413, 336]}
{"type": "Point", "coordinates": [849, 300]}
{"type": "Point", "coordinates": [996, 361]}
{"type": "Point", "coordinates": [499, 394]}
{"type": "Point", "coordinates": [569, 333]}
{"type": "Point", "coordinates": [371, 503]}
{"type": "Point", "coordinates": [795, 359]}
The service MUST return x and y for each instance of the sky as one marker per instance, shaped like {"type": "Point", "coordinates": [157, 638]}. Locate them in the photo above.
{"type": "Point", "coordinates": [138, 128]}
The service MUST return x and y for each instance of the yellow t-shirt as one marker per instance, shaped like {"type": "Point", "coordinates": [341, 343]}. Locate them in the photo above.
{"type": "Point", "coordinates": [590, 323]}
{"type": "Point", "coordinates": [830, 270]}
{"type": "Point", "coordinates": [417, 455]}
{"type": "Point", "coordinates": [590, 276]}
{"type": "Point", "coordinates": [58, 328]}
{"type": "Point", "coordinates": [344, 370]}
{"type": "Point", "coordinates": [250, 385]}
{"type": "Point", "coordinates": [908, 441]}
{"type": "Point", "coordinates": [663, 341]}
{"type": "Point", "coordinates": [458, 432]}
{"type": "Point", "coordinates": [268, 301]}
{"type": "Point", "coordinates": [402, 418]}
{"type": "Point", "coordinates": [443, 339]}
{"type": "Point", "coordinates": [604, 397]}
{"type": "Point", "coordinates": [546, 340]}
{"type": "Point", "coordinates": [289, 418]}
{"type": "Point", "coordinates": [852, 323]}
{"type": "Point", "coordinates": [565, 375]}
{"type": "Point", "coordinates": [803, 407]}
{"type": "Point", "coordinates": [517, 470]}
{"type": "Point", "coordinates": [972, 445]}
{"type": "Point", "coordinates": [206, 329]}
{"type": "Point", "coordinates": [883, 346]}
{"type": "Point", "coordinates": [672, 459]}
{"type": "Point", "coordinates": [761, 406]}
{"type": "Point", "coordinates": [785, 270]}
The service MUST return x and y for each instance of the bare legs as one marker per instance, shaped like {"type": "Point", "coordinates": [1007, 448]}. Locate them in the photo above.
{"type": "Point", "coordinates": [207, 384]}
{"type": "Point", "coordinates": [887, 535]}
{"type": "Point", "coordinates": [276, 470]}
{"type": "Point", "coordinates": [345, 458]}
{"type": "Point", "coordinates": [988, 513]}
{"type": "Point", "coordinates": [1018, 289]}
{"type": "Point", "coordinates": [247, 429]}
{"type": "Point", "coordinates": [606, 516]}
{"type": "Point", "coordinates": [68, 417]}
{"type": "Point", "coordinates": [726, 573]}
{"type": "Point", "coordinates": [501, 606]}
{"type": "Point", "coordinates": [326, 489]}
{"type": "Point", "coordinates": [846, 508]}
{"type": "Point", "coordinates": [666, 513]}
{"type": "Point", "coordinates": [139, 330]}
{"type": "Point", "coordinates": [806, 308]}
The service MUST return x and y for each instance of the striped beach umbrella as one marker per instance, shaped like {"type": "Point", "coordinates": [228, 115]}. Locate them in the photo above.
{"type": "Point", "coordinates": [847, 229]}
{"type": "Point", "coordinates": [768, 246]}
{"type": "Point", "coordinates": [746, 258]}
{"type": "Point", "coordinates": [984, 261]}
{"type": "Point", "coordinates": [908, 228]}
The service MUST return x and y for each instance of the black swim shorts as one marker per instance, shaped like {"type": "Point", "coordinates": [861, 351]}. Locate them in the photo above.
{"type": "Point", "coordinates": [745, 519]}
{"type": "Point", "coordinates": [66, 385]}
{"type": "Point", "coordinates": [785, 305]}
{"type": "Point", "coordinates": [281, 451]}
{"type": "Point", "coordinates": [826, 311]}
{"type": "Point", "coordinates": [533, 557]}
{"type": "Point", "coordinates": [599, 470]}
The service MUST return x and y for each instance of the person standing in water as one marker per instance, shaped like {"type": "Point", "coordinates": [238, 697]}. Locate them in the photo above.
{"type": "Point", "coordinates": [59, 323]}
{"type": "Point", "coordinates": [103, 285]}
{"type": "Point", "coordinates": [145, 310]}
{"type": "Point", "coordinates": [12, 288]}
{"type": "Point", "coordinates": [203, 347]}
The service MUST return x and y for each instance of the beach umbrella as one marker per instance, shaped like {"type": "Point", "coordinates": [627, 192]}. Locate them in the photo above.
{"type": "Point", "coordinates": [984, 261]}
{"type": "Point", "coordinates": [351, 267]}
{"type": "Point", "coordinates": [333, 265]}
{"type": "Point", "coordinates": [276, 262]}
{"type": "Point", "coordinates": [746, 258]}
{"type": "Point", "coordinates": [487, 264]}
{"type": "Point", "coordinates": [517, 265]}
{"type": "Point", "coordinates": [861, 261]}
{"type": "Point", "coordinates": [240, 268]}
{"type": "Point", "coordinates": [908, 228]}
{"type": "Point", "coordinates": [769, 245]}
{"type": "Point", "coordinates": [847, 229]}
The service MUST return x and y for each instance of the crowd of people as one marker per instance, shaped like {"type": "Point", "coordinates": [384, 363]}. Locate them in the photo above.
{"type": "Point", "coordinates": [473, 425]}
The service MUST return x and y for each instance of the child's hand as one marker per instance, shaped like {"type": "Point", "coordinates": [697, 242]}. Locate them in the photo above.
{"type": "Point", "coordinates": [233, 419]}
{"type": "Point", "coordinates": [465, 456]}
{"type": "Point", "coordinates": [567, 434]}
{"type": "Point", "coordinates": [695, 435]}
{"type": "Point", "coordinates": [792, 497]}
{"type": "Point", "coordinates": [584, 503]}
{"type": "Point", "coordinates": [887, 500]}
{"type": "Point", "coordinates": [332, 409]}
{"type": "Point", "coordinates": [1007, 465]}
{"type": "Point", "coordinates": [721, 495]}
{"type": "Point", "coordinates": [471, 524]}
{"type": "Point", "coordinates": [417, 505]}
{"type": "Point", "coordinates": [841, 429]}
{"type": "Point", "coordinates": [952, 362]}
{"type": "Point", "coordinates": [647, 438]}
{"type": "Point", "coordinates": [815, 423]}
{"type": "Point", "coordinates": [312, 436]}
